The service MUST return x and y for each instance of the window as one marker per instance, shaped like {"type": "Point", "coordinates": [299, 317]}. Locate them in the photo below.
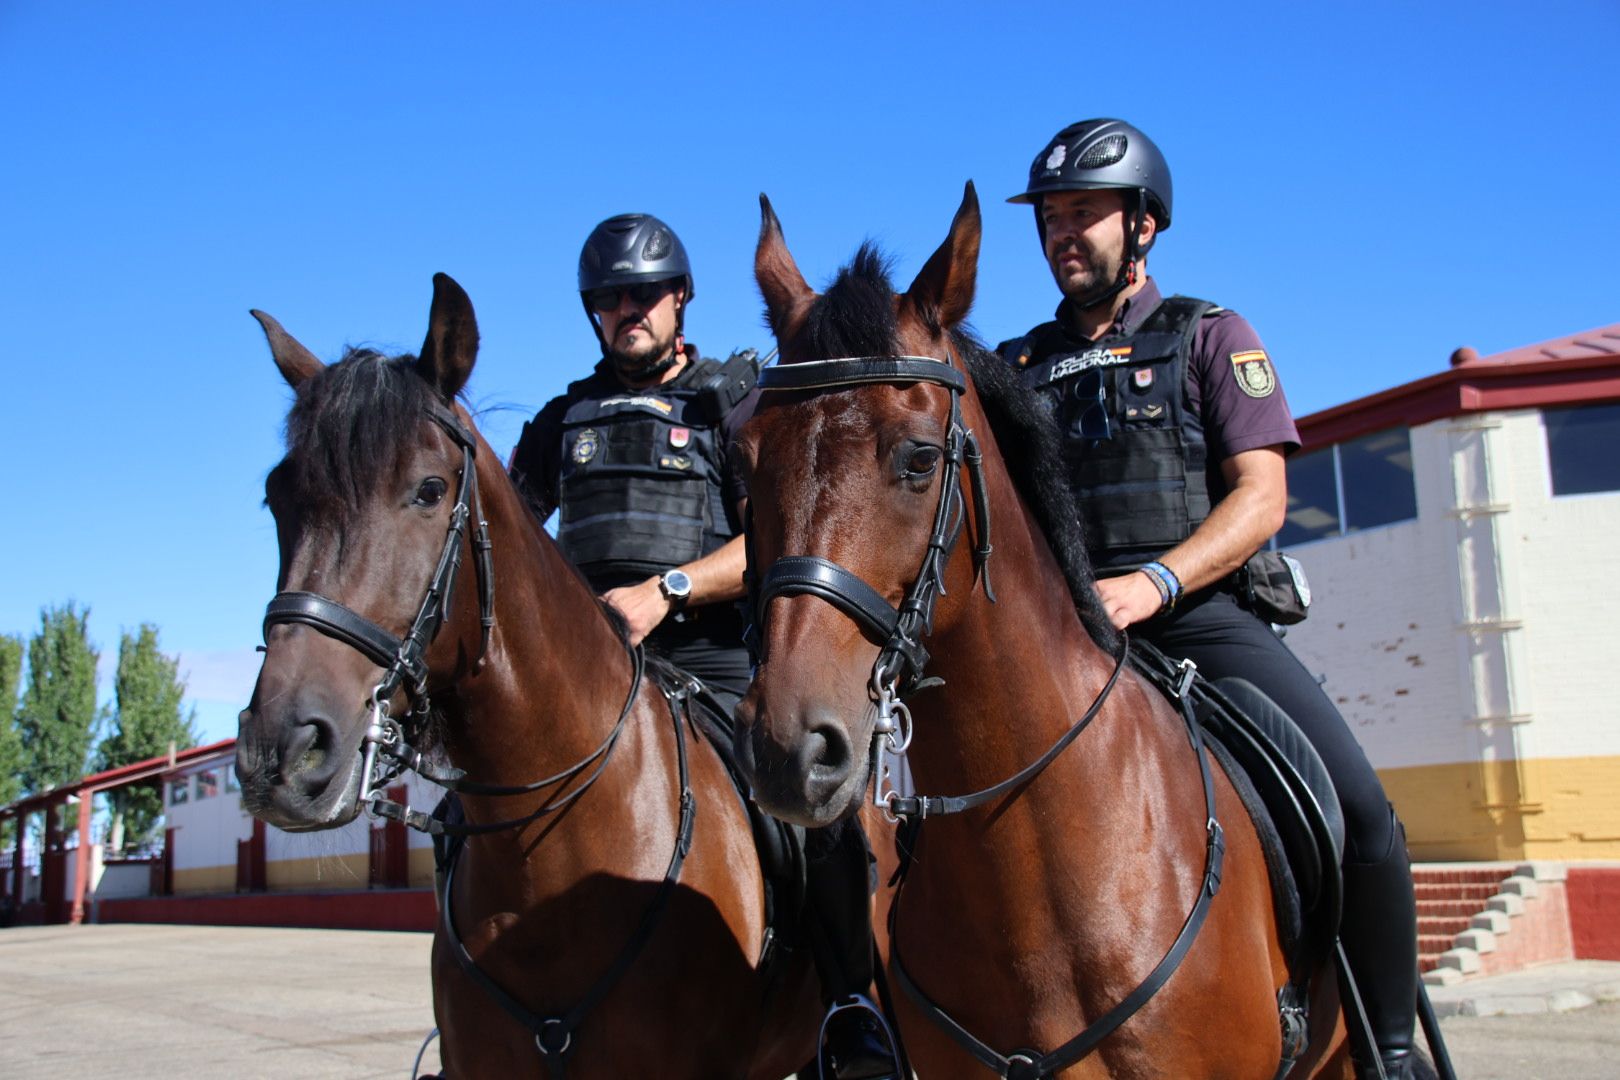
{"type": "Point", "coordinates": [1581, 444]}
{"type": "Point", "coordinates": [179, 791]}
{"type": "Point", "coordinates": [231, 782]}
{"type": "Point", "coordinates": [207, 784]}
{"type": "Point", "coordinates": [1358, 484]}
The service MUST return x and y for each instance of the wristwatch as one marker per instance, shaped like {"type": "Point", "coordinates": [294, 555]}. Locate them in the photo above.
{"type": "Point", "coordinates": [676, 587]}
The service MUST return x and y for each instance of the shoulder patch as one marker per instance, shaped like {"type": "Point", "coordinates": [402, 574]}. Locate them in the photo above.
{"type": "Point", "coordinates": [1252, 369]}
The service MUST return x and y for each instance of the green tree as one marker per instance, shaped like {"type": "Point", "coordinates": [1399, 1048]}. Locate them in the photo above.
{"type": "Point", "coordinates": [11, 758]}
{"type": "Point", "coordinates": [57, 719]}
{"type": "Point", "coordinates": [147, 719]}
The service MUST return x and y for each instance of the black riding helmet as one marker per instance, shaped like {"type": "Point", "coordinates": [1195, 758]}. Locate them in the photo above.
{"type": "Point", "coordinates": [1104, 153]}
{"type": "Point", "coordinates": [628, 249]}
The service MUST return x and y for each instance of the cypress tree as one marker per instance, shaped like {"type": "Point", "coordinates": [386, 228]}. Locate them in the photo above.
{"type": "Point", "coordinates": [57, 719]}
{"type": "Point", "coordinates": [148, 717]}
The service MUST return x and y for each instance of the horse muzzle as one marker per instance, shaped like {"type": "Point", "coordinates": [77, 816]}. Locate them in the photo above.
{"type": "Point", "coordinates": [298, 758]}
{"type": "Point", "coordinates": [804, 766]}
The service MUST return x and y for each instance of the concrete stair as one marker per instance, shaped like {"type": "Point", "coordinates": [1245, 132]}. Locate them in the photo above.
{"type": "Point", "coordinates": [1468, 914]}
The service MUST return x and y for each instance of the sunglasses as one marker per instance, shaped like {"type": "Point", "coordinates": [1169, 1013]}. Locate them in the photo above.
{"type": "Point", "coordinates": [644, 293]}
{"type": "Point", "coordinates": [1092, 391]}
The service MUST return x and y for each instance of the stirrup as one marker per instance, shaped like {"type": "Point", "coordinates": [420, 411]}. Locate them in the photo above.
{"type": "Point", "coordinates": [856, 1003]}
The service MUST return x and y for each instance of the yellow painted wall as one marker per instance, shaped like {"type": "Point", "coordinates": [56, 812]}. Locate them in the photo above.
{"type": "Point", "coordinates": [1546, 808]}
{"type": "Point", "coordinates": [419, 868]}
{"type": "Point", "coordinates": [205, 879]}
{"type": "Point", "coordinates": [321, 872]}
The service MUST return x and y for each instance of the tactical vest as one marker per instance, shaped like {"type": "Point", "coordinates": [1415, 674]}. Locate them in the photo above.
{"type": "Point", "coordinates": [641, 488]}
{"type": "Point", "coordinates": [1144, 488]}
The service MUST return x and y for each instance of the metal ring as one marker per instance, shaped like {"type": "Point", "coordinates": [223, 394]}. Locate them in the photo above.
{"type": "Point", "coordinates": [546, 1026]}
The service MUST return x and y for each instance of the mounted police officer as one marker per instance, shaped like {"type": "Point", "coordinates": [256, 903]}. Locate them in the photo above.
{"type": "Point", "coordinates": [635, 460]}
{"type": "Point", "coordinates": [1175, 432]}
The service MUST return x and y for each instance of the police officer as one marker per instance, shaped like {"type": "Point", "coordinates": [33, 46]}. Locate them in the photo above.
{"type": "Point", "coordinates": [634, 458]}
{"type": "Point", "coordinates": [1175, 430]}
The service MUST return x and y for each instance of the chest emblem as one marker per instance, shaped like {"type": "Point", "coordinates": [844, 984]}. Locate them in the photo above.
{"type": "Point", "coordinates": [1142, 378]}
{"type": "Point", "coordinates": [586, 443]}
{"type": "Point", "coordinates": [679, 437]}
{"type": "Point", "coordinates": [1253, 372]}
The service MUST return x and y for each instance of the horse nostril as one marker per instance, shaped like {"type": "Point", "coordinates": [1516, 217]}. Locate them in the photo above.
{"type": "Point", "coordinates": [306, 753]}
{"type": "Point", "coordinates": [828, 751]}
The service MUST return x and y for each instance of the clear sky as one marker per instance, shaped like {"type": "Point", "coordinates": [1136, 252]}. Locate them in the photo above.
{"type": "Point", "coordinates": [1372, 184]}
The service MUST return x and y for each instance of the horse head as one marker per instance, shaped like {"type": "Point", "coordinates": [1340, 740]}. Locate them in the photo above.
{"type": "Point", "coordinates": [379, 465]}
{"type": "Point", "coordinates": [856, 499]}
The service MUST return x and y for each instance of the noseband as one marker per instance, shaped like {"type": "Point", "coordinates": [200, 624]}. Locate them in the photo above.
{"type": "Point", "coordinates": [902, 657]}
{"type": "Point", "coordinates": [403, 661]}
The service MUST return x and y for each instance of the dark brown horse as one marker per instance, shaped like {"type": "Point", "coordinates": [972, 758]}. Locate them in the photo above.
{"type": "Point", "coordinates": [571, 909]}
{"type": "Point", "coordinates": [1028, 918]}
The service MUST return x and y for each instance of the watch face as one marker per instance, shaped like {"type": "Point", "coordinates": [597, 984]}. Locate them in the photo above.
{"type": "Point", "coordinates": [677, 584]}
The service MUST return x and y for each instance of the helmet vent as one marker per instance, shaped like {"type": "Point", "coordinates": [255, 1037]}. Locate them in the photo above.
{"type": "Point", "coordinates": [1102, 153]}
{"type": "Point", "coordinates": [657, 246]}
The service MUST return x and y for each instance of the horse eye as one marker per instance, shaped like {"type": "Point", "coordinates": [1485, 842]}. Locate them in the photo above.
{"type": "Point", "coordinates": [431, 491]}
{"type": "Point", "coordinates": [923, 461]}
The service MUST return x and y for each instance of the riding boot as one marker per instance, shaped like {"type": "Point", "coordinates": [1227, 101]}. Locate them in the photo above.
{"type": "Point", "coordinates": [856, 1043]}
{"type": "Point", "coordinates": [1379, 932]}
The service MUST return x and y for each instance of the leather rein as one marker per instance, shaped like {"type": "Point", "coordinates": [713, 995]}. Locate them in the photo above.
{"type": "Point", "coordinates": [388, 750]}
{"type": "Point", "coordinates": [899, 672]}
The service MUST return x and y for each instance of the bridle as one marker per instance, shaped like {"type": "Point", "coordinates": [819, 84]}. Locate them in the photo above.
{"type": "Point", "coordinates": [902, 657]}
{"type": "Point", "coordinates": [898, 672]}
{"type": "Point", "coordinates": [388, 750]}
{"type": "Point", "coordinates": [403, 659]}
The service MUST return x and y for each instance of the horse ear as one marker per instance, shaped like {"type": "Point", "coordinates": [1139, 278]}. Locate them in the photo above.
{"type": "Point", "coordinates": [447, 356]}
{"type": "Point", "coordinates": [295, 362]}
{"type": "Point", "coordinates": [943, 291]}
{"type": "Point", "coordinates": [787, 295]}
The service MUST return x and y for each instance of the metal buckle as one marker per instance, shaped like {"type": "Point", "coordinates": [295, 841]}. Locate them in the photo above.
{"type": "Point", "coordinates": [1184, 683]}
{"type": "Point", "coordinates": [891, 736]}
{"type": "Point", "coordinates": [383, 730]}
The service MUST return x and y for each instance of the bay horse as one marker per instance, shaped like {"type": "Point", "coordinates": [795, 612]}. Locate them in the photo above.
{"type": "Point", "coordinates": [615, 925]}
{"type": "Point", "coordinates": [1056, 902]}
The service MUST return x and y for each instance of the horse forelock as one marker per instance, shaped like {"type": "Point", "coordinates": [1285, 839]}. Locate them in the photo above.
{"type": "Point", "coordinates": [855, 316]}
{"type": "Point", "coordinates": [349, 426]}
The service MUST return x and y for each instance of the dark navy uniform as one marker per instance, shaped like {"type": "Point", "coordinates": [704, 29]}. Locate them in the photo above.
{"type": "Point", "coordinates": [1148, 412]}
{"type": "Point", "coordinates": [642, 482]}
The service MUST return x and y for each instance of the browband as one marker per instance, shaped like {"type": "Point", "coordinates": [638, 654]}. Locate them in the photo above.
{"type": "Point", "coordinates": [856, 370]}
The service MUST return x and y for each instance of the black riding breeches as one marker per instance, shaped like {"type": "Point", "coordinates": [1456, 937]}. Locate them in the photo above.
{"type": "Point", "coordinates": [1225, 640]}
{"type": "Point", "coordinates": [724, 666]}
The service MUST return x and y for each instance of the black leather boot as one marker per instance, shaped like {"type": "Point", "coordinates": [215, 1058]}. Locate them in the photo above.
{"type": "Point", "coordinates": [1379, 931]}
{"type": "Point", "coordinates": [856, 1043]}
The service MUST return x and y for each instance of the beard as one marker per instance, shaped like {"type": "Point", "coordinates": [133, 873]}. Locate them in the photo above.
{"type": "Point", "coordinates": [1097, 276]}
{"type": "Point", "coordinates": [643, 361]}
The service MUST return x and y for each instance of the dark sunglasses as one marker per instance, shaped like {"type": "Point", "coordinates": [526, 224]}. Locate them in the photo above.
{"type": "Point", "coordinates": [1091, 390]}
{"type": "Point", "coordinates": [644, 293]}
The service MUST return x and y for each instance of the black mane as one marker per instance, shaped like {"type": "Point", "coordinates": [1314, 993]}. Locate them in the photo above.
{"type": "Point", "coordinates": [856, 317]}
{"type": "Point", "coordinates": [350, 423]}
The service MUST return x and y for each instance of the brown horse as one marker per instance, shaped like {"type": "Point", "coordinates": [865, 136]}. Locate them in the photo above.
{"type": "Point", "coordinates": [1034, 914]}
{"type": "Point", "coordinates": [623, 958]}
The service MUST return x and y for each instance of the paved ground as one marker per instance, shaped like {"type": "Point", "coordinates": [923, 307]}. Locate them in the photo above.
{"type": "Point", "coordinates": [155, 1002]}
{"type": "Point", "coordinates": [203, 1001]}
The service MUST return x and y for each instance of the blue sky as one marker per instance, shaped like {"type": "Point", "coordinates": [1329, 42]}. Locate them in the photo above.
{"type": "Point", "coordinates": [1372, 184]}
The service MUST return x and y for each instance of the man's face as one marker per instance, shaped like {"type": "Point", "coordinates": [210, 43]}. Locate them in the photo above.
{"type": "Point", "coordinates": [1085, 238]}
{"type": "Point", "coordinates": [640, 327]}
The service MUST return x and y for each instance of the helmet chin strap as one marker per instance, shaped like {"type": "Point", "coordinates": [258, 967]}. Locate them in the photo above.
{"type": "Point", "coordinates": [1127, 269]}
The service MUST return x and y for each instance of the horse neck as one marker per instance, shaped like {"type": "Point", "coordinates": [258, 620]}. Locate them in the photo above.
{"type": "Point", "coordinates": [556, 675]}
{"type": "Point", "coordinates": [1018, 671]}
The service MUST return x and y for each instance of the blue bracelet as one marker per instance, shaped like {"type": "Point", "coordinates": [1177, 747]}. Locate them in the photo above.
{"type": "Point", "coordinates": [1165, 578]}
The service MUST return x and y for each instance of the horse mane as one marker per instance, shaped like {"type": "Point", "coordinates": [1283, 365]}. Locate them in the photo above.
{"type": "Point", "coordinates": [855, 316]}
{"type": "Point", "coordinates": [349, 424]}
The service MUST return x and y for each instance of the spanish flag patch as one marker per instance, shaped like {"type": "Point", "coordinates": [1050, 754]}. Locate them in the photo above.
{"type": "Point", "coordinates": [1253, 372]}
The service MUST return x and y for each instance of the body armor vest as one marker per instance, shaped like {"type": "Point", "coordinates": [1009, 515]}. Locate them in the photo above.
{"type": "Point", "coordinates": [641, 488]}
{"type": "Point", "coordinates": [1136, 457]}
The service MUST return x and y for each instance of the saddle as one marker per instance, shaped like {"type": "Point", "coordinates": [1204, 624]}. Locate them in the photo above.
{"type": "Point", "coordinates": [1287, 792]}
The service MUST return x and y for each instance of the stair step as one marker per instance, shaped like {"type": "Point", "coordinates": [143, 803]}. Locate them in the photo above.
{"type": "Point", "coordinates": [1448, 927]}
{"type": "Point", "coordinates": [1448, 909]}
{"type": "Point", "coordinates": [1426, 875]}
{"type": "Point", "coordinates": [1458, 892]}
{"type": "Point", "coordinates": [1434, 943]}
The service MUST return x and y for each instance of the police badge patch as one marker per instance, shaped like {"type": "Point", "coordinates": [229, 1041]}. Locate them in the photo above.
{"type": "Point", "coordinates": [679, 437]}
{"type": "Point", "coordinates": [1253, 372]}
{"type": "Point", "coordinates": [585, 446]}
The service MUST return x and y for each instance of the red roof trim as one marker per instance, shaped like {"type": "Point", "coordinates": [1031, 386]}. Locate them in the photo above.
{"type": "Point", "coordinates": [1536, 376]}
{"type": "Point", "coordinates": [119, 777]}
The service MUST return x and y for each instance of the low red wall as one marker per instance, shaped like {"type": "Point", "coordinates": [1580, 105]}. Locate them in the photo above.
{"type": "Point", "coordinates": [376, 909]}
{"type": "Point", "coordinates": [1594, 911]}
